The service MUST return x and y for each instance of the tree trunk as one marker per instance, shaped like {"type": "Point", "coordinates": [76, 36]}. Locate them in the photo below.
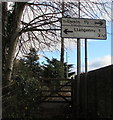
{"type": "Point", "coordinates": [4, 23]}
{"type": "Point", "coordinates": [12, 38]}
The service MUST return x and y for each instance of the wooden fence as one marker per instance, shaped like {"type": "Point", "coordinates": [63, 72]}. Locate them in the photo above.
{"type": "Point", "coordinates": [96, 93]}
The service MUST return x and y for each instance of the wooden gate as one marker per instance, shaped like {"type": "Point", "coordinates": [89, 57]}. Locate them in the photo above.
{"type": "Point", "coordinates": [56, 90]}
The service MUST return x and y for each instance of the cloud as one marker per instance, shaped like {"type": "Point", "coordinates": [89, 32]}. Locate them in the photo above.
{"type": "Point", "coordinates": [99, 62]}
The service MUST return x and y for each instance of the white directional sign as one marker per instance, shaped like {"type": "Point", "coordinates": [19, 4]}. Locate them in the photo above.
{"type": "Point", "coordinates": [83, 28]}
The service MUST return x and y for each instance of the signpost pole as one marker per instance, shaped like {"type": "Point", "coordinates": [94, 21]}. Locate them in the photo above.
{"type": "Point", "coordinates": [86, 67]}
{"type": "Point", "coordinates": [66, 65]}
{"type": "Point", "coordinates": [78, 70]}
{"type": "Point", "coordinates": [78, 75]}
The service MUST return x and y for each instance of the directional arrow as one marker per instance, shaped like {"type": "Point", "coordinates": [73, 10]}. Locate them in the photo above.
{"type": "Point", "coordinates": [66, 31]}
{"type": "Point", "coordinates": [100, 23]}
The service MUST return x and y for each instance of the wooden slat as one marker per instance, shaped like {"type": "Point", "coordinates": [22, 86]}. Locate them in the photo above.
{"type": "Point", "coordinates": [65, 85]}
{"type": "Point", "coordinates": [56, 96]}
{"type": "Point", "coordinates": [56, 101]}
{"type": "Point", "coordinates": [56, 91]}
{"type": "Point", "coordinates": [60, 79]}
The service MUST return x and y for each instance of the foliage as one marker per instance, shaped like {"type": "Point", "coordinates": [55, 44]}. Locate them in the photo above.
{"type": "Point", "coordinates": [25, 76]}
{"type": "Point", "coordinates": [28, 66]}
{"type": "Point", "coordinates": [53, 69]}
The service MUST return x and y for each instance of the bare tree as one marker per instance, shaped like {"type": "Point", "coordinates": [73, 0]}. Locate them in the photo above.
{"type": "Point", "coordinates": [37, 24]}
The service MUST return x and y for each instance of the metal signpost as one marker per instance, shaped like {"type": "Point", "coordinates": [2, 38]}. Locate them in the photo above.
{"type": "Point", "coordinates": [85, 29]}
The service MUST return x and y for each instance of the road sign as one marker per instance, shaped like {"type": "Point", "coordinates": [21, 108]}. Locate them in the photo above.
{"type": "Point", "coordinates": [83, 28]}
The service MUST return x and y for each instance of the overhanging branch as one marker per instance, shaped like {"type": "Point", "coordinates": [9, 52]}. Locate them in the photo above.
{"type": "Point", "coordinates": [35, 29]}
